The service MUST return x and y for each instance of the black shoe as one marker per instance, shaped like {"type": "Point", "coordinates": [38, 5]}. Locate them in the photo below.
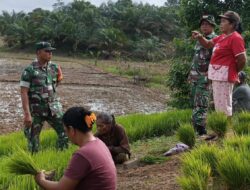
{"type": "Point", "coordinates": [201, 130]}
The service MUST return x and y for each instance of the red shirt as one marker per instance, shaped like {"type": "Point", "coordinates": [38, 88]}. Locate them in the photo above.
{"type": "Point", "coordinates": [226, 49]}
{"type": "Point", "coordinates": [93, 167]}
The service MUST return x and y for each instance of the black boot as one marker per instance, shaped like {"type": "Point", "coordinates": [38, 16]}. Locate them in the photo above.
{"type": "Point", "coordinates": [201, 130]}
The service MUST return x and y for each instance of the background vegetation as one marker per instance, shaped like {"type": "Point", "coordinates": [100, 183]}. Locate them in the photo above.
{"type": "Point", "coordinates": [122, 30]}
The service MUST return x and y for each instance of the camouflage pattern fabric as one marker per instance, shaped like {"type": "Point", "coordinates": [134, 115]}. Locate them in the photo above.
{"type": "Point", "coordinates": [200, 84]}
{"type": "Point", "coordinates": [43, 102]}
{"type": "Point", "coordinates": [32, 134]}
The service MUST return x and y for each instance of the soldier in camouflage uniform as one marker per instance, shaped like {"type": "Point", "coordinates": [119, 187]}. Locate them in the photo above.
{"type": "Point", "coordinates": [40, 102]}
{"type": "Point", "coordinates": [198, 76]}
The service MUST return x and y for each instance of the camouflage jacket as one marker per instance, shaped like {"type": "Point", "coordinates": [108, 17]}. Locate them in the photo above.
{"type": "Point", "coordinates": [200, 62]}
{"type": "Point", "coordinates": [42, 82]}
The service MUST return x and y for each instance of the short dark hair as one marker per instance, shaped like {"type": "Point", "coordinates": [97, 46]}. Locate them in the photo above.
{"type": "Point", "coordinates": [75, 117]}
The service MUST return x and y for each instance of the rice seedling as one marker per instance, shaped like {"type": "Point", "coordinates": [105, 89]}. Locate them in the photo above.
{"type": "Point", "coordinates": [10, 140]}
{"type": "Point", "coordinates": [21, 163]}
{"type": "Point", "coordinates": [242, 123]}
{"type": "Point", "coordinates": [218, 122]}
{"type": "Point", "coordinates": [150, 159]}
{"type": "Point", "coordinates": [195, 173]}
{"type": "Point", "coordinates": [191, 182]}
{"type": "Point", "coordinates": [209, 155]}
{"type": "Point", "coordinates": [186, 134]}
{"type": "Point", "coordinates": [234, 168]}
{"type": "Point", "coordinates": [140, 126]}
{"type": "Point", "coordinates": [190, 166]}
{"type": "Point", "coordinates": [238, 142]}
{"type": "Point", "coordinates": [23, 182]}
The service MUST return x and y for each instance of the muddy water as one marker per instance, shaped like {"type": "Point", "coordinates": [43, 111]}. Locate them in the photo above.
{"type": "Point", "coordinates": [82, 85]}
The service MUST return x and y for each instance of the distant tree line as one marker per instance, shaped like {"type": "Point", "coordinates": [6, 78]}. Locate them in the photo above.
{"type": "Point", "coordinates": [121, 28]}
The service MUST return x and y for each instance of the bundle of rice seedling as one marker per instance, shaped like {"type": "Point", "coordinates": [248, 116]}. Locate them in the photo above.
{"type": "Point", "coordinates": [195, 172]}
{"type": "Point", "coordinates": [234, 167]}
{"type": "Point", "coordinates": [241, 123]}
{"type": "Point", "coordinates": [218, 122]}
{"type": "Point", "coordinates": [21, 163]}
{"type": "Point", "coordinates": [191, 182]}
{"type": "Point", "coordinates": [186, 135]}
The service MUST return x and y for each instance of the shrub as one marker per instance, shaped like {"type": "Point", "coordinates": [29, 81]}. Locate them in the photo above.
{"type": "Point", "coordinates": [186, 134]}
{"type": "Point", "coordinates": [177, 82]}
{"type": "Point", "coordinates": [217, 121]}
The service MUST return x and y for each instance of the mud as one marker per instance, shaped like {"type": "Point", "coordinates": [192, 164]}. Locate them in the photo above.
{"type": "Point", "coordinates": [82, 85]}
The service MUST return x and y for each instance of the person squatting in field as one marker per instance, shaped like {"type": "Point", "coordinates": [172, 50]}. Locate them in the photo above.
{"type": "Point", "coordinates": [91, 166]}
{"type": "Point", "coordinates": [228, 58]}
{"type": "Point", "coordinates": [198, 76]}
{"type": "Point", "coordinates": [114, 136]}
{"type": "Point", "coordinates": [39, 98]}
{"type": "Point", "coordinates": [241, 94]}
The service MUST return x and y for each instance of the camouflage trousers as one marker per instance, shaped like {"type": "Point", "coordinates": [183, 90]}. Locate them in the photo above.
{"type": "Point", "coordinates": [33, 133]}
{"type": "Point", "coordinates": [200, 101]}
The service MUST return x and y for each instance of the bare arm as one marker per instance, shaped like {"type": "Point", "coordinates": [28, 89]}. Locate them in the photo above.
{"type": "Point", "coordinates": [241, 61]}
{"type": "Point", "coordinates": [64, 183]}
{"type": "Point", "coordinates": [25, 104]}
{"type": "Point", "coordinates": [208, 44]}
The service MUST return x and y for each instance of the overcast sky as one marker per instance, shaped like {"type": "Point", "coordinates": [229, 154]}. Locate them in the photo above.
{"type": "Point", "coordinates": [29, 5]}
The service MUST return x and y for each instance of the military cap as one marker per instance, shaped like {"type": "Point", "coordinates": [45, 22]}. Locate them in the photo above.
{"type": "Point", "coordinates": [44, 45]}
{"type": "Point", "coordinates": [209, 19]}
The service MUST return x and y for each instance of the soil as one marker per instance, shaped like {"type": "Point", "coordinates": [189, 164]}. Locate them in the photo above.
{"type": "Point", "coordinates": [151, 177]}
{"type": "Point", "coordinates": [100, 91]}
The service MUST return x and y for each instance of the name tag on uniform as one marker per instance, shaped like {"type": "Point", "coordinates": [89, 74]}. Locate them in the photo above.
{"type": "Point", "coordinates": [45, 95]}
{"type": "Point", "coordinates": [50, 87]}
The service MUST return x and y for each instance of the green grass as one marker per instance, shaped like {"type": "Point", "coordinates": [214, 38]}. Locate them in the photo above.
{"type": "Point", "coordinates": [148, 135]}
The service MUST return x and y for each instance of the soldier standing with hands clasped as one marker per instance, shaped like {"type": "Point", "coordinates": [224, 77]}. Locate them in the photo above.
{"type": "Point", "coordinates": [39, 100]}
{"type": "Point", "coordinates": [199, 76]}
